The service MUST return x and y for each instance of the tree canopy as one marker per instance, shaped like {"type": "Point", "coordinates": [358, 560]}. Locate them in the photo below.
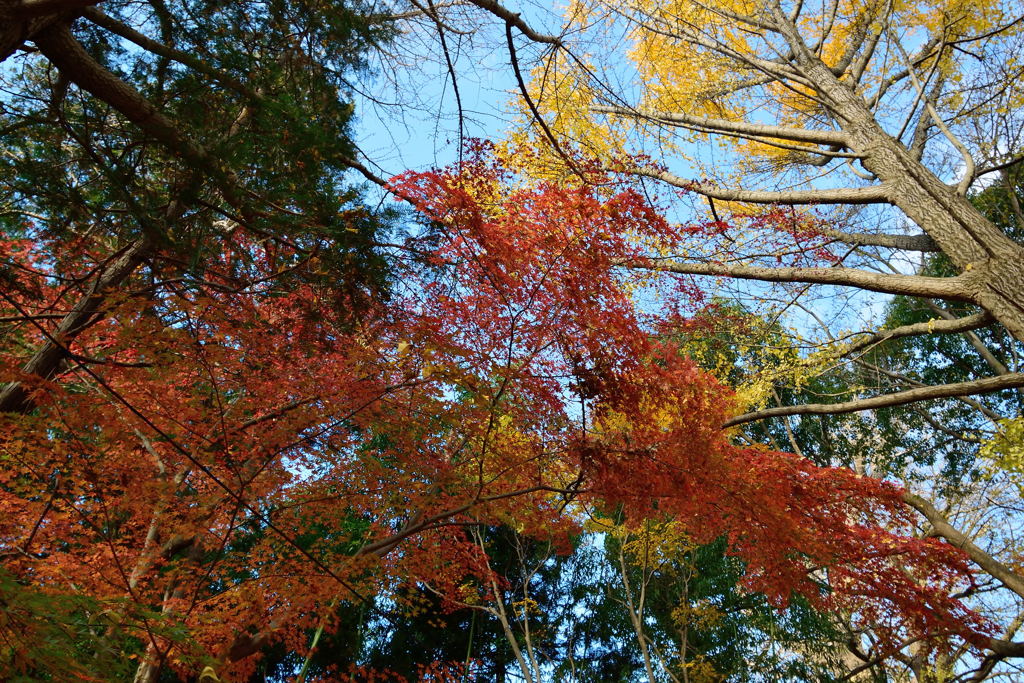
{"type": "Point", "coordinates": [520, 421]}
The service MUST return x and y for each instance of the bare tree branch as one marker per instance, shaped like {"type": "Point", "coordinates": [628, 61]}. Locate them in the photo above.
{"type": "Point", "coordinates": [910, 285]}
{"type": "Point", "coordinates": [997, 365]}
{"type": "Point", "coordinates": [994, 416]}
{"type": "Point", "coordinates": [876, 194]}
{"type": "Point", "coordinates": [866, 239]}
{"type": "Point", "coordinates": [949, 326]}
{"type": "Point", "coordinates": [514, 19]}
{"type": "Point", "coordinates": [725, 126]}
{"type": "Point", "coordinates": [980, 386]}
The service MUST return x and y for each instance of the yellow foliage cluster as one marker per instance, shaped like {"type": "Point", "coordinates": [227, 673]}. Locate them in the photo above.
{"type": "Point", "coordinates": [709, 59]}
{"type": "Point", "coordinates": [1005, 450]}
{"type": "Point", "coordinates": [956, 18]}
{"type": "Point", "coordinates": [525, 607]}
{"type": "Point", "coordinates": [701, 615]}
{"type": "Point", "coordinates": [658, 543]}
{"type": "Point", "coordinates": [563, 90]}
{"type": "Point", "coordinates": [752, 360]}
{"type": "Point", "coordinates": [648, 543]}
{"type": "Point", "coordinates": [701, 670]}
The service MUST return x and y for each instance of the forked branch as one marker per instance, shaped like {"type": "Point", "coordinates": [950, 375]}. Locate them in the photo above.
{"type": "Point", "coordinates": [942, 528]}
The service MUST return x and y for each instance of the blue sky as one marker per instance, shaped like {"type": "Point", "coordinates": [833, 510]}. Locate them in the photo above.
{"type": "Point", "coordinates": [414, 124]}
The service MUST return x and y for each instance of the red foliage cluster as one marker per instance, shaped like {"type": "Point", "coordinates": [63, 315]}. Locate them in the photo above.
{"type": "Point", "coordinates": [225, 453]}
{"type": "Point", "coordinates": [652, 440]}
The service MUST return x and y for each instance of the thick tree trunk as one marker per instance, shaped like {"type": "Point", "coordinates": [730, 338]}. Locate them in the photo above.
{"type": "Point", "coordinates": [991, 263]}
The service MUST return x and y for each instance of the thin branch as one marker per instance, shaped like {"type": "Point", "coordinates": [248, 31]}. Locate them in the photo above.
{"type": "Point", "coordinates": [939, 427]}
{"type": "Point", "coordinates": [40, 316]}
{"type": "Point", "coordinates": [1001, 166]}
{"type": "Point", "coordinates": [909, 285]}
{"type": "Point", "coordinates": [237, 496]}
{"type": "Point", "coordinates": [367, 173]}
{"type": "Point", "coordinates": [451, 74]}
{"type": "Point", "coordinates": [49, 358]}
{"type": "Point", "coordinates": [994, 363]}
{"type": "Point", "coordinates": [127, 32]}
{"type": "Point", "coordinates": [876, 194]}
{"type": "Point", "coordinates": [514, 19]}
{"type": "Point", "coordinates": [900, 377]}
{"type": "Point", "coordinates": [965, 153]}
{"type": "Point", "coordinates": [726, 127]}
{"type": "Point", "coordinates": [62, 49]}
{"type": "Point", "coordinates": [950, 326]}
{"type": "Point", "coordinates": [981, 386]}
{"type": "Point", "coordinates": [514, 59]}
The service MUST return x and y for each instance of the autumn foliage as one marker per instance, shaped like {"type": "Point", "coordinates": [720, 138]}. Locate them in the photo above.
{"type": "Point", "coordinates": [231, 450]}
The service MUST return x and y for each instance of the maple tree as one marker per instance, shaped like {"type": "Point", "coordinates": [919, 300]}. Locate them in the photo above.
{"type": "Point", "coordinates": [805, 144]}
